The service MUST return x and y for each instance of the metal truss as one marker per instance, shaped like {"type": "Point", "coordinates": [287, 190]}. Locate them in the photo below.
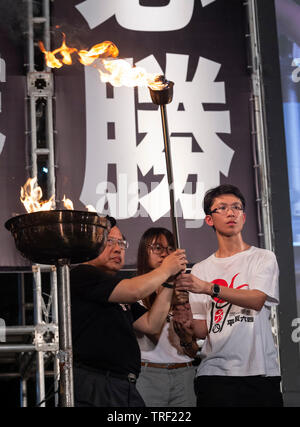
{"type": "Point", "coordinates": [43, 346]}
{"type": "Point", "coordinates": [260, 148]}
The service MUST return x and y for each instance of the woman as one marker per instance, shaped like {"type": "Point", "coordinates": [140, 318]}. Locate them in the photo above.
{"type": "Point", "coordinates": [167, 374]}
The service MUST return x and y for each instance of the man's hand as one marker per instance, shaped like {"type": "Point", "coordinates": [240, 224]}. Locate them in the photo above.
{"type": "Point", "coordinates": [175, 262]}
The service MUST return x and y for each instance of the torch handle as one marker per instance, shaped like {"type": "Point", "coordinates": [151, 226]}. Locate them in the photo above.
{"type": "Point", "coordinates": [170, 175]}
{"type": "Point", "coordinates": [181, 297]}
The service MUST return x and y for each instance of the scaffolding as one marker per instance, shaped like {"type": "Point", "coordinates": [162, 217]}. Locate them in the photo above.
{"type": "Point", "coordinates": [43, 347]}
{"type": "Point", "coordinates": [260, 148]}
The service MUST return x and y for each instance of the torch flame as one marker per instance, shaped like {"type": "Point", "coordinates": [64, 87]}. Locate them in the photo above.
{"type": "Point", "coordinates": [117, 72]}
{"type": "Point", "coordinates": [104, 49]}
{"type": "Point", "coordinates": [86, 57]}
{"type": "Point", "coordinates": [51, 60]}
{"type": "Point", "coordinates": [63, 50]}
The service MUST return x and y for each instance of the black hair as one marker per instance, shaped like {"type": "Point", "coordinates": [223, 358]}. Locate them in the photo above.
{"type": "Point", "coordinates": [112, 221]}
{"type": "Point", "coordinates": [150, 235]}
{"type": "Point", "coordinates": [211, 194]}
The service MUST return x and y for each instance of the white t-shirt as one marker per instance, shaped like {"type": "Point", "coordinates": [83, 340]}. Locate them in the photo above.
{"type": "Point", "coordinates": [240, 341]}
{"type": "Point", "coordinates": [166, 350]}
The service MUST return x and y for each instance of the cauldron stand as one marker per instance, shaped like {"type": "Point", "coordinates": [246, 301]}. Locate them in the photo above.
{"type": "Point", "coordinates": [65, 354]}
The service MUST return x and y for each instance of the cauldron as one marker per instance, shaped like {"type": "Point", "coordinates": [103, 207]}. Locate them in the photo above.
{"type": "Point", "coordinates": [45, 237]}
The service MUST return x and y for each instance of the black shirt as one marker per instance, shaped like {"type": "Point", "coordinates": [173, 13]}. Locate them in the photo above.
{"type": "Point", "coordinates": [102, 332]}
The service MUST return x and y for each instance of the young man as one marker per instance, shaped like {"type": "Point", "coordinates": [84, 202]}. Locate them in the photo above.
{"type": "Point", "coordinates": [232, 292]}
{"type": "Point", "coordinates": [104, 313]}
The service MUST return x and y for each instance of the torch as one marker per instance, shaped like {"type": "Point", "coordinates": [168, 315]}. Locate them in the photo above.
{"type": "Point", "coordinates": [162, 97]}
{"type": "Point", "coordinates": [162, 94]}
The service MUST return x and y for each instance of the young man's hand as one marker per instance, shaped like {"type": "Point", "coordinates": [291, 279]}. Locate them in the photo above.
{"type": "Point", "coordinates": [191, 283]}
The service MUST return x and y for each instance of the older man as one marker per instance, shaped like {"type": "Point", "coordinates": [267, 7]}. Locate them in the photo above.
{"type": "Point", "coordinates": [105, 313]}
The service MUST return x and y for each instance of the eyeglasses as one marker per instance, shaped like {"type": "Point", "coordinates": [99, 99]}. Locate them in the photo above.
{"type": "Point", "coordinates": [222, 210]}
{"type": "Point", "coordinates": [123, 244]}
{"type": "Point", "coordinates": [159, 249]}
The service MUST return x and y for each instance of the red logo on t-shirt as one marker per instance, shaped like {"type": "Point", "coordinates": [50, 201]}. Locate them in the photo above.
{"type": "Point", "coordinates": [219, 315]}
{"type": "Point", "coordinates": [222, 282]}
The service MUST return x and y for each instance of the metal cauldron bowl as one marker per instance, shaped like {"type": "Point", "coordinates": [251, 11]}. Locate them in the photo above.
{"type": "Point", "coordinates": [46, 237]}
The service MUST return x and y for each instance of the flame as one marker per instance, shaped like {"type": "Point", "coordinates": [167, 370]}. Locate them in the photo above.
{"type": "Point", "coordinates": [63, 50]}
{"type": "Point", "coordinates": [68, 204]}
{"type": "Point", "coordinates": [158, 82]}
{"type": "Point", "coordinates": [104, 49]}
{"type": "Point", "coordinates": [86, 57]}
{"type": "Point", "coordinates": [117, 72]}
{"type": "Point", "coordinates": [51, 60]}
{"type": "Point", "coordinates": [31, 195]}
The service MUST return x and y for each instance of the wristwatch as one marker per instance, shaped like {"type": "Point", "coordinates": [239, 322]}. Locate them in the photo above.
{"type": "Point", "coordinates": [168, 285]}
{"type": "Point", "coordinates": [216, 290]}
